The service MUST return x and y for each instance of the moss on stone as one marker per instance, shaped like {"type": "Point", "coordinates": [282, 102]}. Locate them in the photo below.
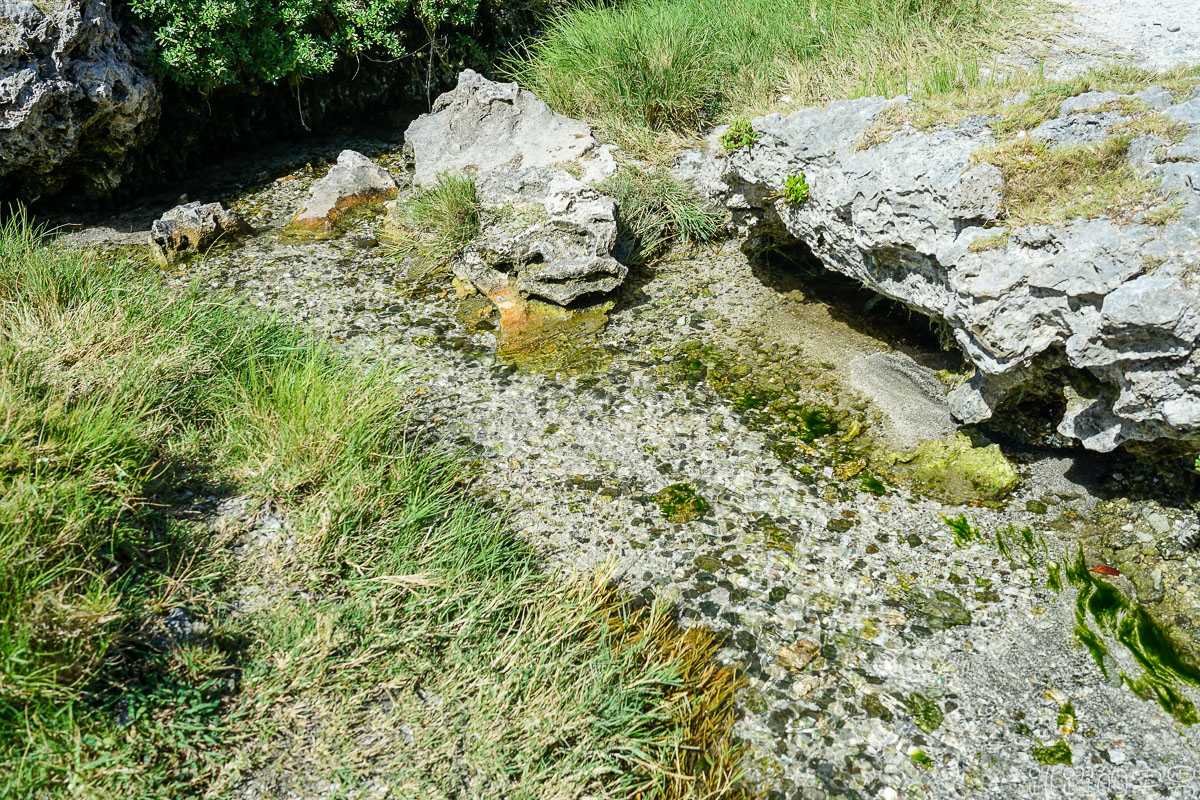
{"type": "Point", "coordinates": [679, 502]}
{"type": "Point", "coordinates": [1057, 753]}
{"type": "Point", "coordinates": [925, 713]}
{"type": "Point", "coordinates": [552, 339]}
{"type": "Point", "coordinates": [955, 471]}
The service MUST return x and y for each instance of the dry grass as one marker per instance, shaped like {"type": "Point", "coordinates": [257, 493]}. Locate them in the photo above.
{"type": "Point", "coordinates": [1044, 184]}
{"type": "Point", "coordinates": [1044, 97]}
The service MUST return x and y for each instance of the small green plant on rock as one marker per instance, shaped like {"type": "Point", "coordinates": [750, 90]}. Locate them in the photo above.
{"type": "Point", "coordinates": [794, 191]}
{"type": "Point", "coordinates": [740, 134]}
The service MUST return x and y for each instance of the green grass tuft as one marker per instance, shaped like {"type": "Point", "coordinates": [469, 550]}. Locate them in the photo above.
{"type": "Point", "coordinates": [676, 65]}
{"type": "Point", "coordinates": [439, 221]}
{"type": "Point", "coordinates": [656, 211]}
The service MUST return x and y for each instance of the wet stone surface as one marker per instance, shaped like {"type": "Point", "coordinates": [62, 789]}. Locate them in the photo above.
{"type": "Point", "coordinates": [886, 653]}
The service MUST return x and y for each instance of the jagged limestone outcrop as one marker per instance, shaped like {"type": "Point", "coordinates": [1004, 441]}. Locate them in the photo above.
{"type": "Point", "coordinates": [73, 99]}
{"type": "Point", "coordinates": [481, 125]}
{"type": "Point", "coordinates": [1105, 309]}
{"type": "Point", "coordinates": [550, 235]}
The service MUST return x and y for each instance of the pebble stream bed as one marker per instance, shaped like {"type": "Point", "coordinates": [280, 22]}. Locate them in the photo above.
{"type": "Point", "coordinates": [884, 657]}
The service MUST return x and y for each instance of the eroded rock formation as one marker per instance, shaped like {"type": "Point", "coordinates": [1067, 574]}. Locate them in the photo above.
{"type": "Point", "coordinates": [192, 228]}
{"type": "Point", "coordinates": [551, 235]}
{"type": "Point", "coordinates": [73, 101]}
{"type": "Point", "coordinates": [1104, 312]}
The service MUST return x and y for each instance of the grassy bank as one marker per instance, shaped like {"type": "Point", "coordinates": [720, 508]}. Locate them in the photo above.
{"type": "Point", "coordinates": [392, 632]}
{"type": "Point", "coordinates": [675, 65]}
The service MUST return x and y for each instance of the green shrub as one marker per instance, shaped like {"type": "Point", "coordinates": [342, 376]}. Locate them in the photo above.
{"type": "Point", "coordinates": [205, 44]}
{"type": "Point", "coordinates": [740, 134]}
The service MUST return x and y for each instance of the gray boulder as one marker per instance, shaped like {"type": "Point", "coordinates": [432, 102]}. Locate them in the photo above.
{"type": "Point", "coordinates": [1104, 315]}
{"type": "Point", "coordinates": [546, 233]}
{"type": "Point", "coordinates": [190, 229]}
{"type": "Point", "coordinates": [549, 236]}
{"type": "Point", "coordinates": [481, 125]}
{"type": "Point", "coordinates": [72, 99]}
{"type": "Point", "coordinates": [354, 180]}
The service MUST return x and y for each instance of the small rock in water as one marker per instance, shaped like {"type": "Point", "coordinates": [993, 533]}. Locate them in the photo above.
{"type": "Point", "coordinates": [354, 180]}
{"type": "Point", "coordinates": [189, 229]}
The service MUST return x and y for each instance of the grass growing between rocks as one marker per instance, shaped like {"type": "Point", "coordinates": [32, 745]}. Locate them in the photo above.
{"type": "Point", "coordinates": [1045, 184]}
{"type": "Point", "coordinates": [1021, 101]}
{"type": "Point", "coordinates": [657, 210]}
{"type": "Point", "coordinates": [676, 65]}
{"type": "Point", "coordinates": [438, 221]}
{"type": "Point", "coordinates": [394, 633]}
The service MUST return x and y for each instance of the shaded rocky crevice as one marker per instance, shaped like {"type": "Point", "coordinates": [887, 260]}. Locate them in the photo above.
{"type": "Point", "coordinates": [861, 305]}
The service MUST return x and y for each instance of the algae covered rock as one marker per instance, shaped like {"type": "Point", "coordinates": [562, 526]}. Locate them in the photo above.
{"type": "Point", "coordinates": [955, 471]}
{"type": "Point", "coordinates": [679, 502]}
{"type": "Point", "coordinates": [353, 181]}
{"type": "Point", "coordinates": [189, 229]}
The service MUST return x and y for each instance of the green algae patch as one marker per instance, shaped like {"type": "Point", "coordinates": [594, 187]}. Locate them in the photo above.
{"type": "Point", "coordinates": [875, 708]}
{"type": "Point", "coordinates": [924, 712]}
{"type": "Point", "coordinates": [1066, 719]}
{"type": "Point", "coordinates": [1105, 617]}
{"type": "Point", "coordinates": [872, 484]}
{"type": "Point", "coordinates": [475, 312]}
{"type": "Point", "coordinates": [791, 401]}
{"type": "Point", "coordinates": [551, 339]}
{"type": "Point", "coordinates": [679, 502]}
{"type": "Point", "coordinates": [938, 610]}
{"type": "Point", "coordinates": [1057, 753]}
{"type": "Point", "coordinates": [920, 759]}
{"type": "Point", "coordinates": [955, 471]}
{"type": "Point", "coordinates": [964, 534]}
{"type": "Point", "coordinates": [1054, 576]}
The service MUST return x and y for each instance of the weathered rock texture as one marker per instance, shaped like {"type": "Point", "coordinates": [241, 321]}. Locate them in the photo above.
{"type": "Point", "coordinates": [1104, 315]}
{"type": "Point", "coordinates": [187, 230]}
{"type": "Point", "coordinates": [72, 99]}
{"type": "Point", "coordinates": [354, 180]}
{"type": "Point", "coordinates": [546, 234]}
{"type": "Point", "coordinates": [481, 125]}
{"type": "Point", "coordinates": [553, 240]}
